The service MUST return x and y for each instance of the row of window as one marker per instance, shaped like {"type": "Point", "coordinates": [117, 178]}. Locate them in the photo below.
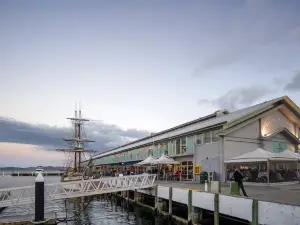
{"type": "Point", "coordinates": [179, 146]}
{"type": "Point", "coordinates": [207, 137]}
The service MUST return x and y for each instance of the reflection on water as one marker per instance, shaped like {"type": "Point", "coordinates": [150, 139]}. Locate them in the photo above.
{"type": "Point", "coordinates": [101, 210]}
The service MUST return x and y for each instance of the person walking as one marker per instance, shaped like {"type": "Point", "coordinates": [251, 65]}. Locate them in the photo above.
{"type": "Point", "coordinates": [238, 177]}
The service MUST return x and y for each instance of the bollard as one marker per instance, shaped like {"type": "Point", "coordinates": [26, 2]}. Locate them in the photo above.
{"type": "Point", "coordinates": [39, 198]}
{"type": "Point", "coordinates": [205, 186]}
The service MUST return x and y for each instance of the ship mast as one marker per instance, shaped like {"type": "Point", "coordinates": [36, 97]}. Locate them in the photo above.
{"type": "Point", "coordinates": [77, 141]}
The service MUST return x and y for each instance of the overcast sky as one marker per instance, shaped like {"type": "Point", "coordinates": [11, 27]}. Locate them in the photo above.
{"type": "Point", "coordinates": [138, 65]}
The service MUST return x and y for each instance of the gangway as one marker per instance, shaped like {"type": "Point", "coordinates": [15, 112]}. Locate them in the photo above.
{"type": "Point", "coordinates": [26, 195]}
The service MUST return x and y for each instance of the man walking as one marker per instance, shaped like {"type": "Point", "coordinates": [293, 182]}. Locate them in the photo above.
{"type": "Point", "coordinates": [238, 177]}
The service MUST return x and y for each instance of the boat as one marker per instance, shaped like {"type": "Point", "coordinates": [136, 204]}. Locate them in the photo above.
{"type": "Point", "coordinates": [39, 169]}
{"type": "Point", "coordinates": [76, 153]}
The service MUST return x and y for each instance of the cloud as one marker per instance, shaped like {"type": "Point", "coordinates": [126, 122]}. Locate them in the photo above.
{"type": "Point", "coordinates": [237, 98]}
{"type": "Point", "coordinates": [23, 155]}
{"type": "Point", "coordinates": [293, 84]}
{"type": "Point", "coordinates": [251, 37]}
{"type": "Point", "coordinates": [50, 137]}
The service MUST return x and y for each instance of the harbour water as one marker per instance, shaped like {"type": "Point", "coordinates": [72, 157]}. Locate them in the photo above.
{"type": "Point", "coordinates": [101, 210]}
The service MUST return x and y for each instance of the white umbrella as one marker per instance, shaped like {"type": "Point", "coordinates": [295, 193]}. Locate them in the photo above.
{"type": "Point", "coordinates": [166, 160]}
{"type": "Point", "coordinates": [286, 155]}
{"type": "Point", "coordinates": [150, 160]}
{"type": "Point", "coordinates": [258, 155]}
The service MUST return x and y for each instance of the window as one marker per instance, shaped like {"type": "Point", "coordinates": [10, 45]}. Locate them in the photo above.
{"type": "Point", "coordinates": [215, 138]}
{"type": "Point", "coordinates": [174, 147]}
{"type": "Point", "coordinates": [207, 137]}
{"type": "Point", "coordinates": [183, 145]}
{"type": "Point", "coordinates": [199, 139]}
{"type": "Point", "coordinates": [177, 146]}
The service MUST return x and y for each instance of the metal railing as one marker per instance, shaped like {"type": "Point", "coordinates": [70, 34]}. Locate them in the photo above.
{"type": "Point", "coordinates": [64, 190]}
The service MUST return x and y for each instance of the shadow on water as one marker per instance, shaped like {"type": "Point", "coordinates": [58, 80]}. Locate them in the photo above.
{"type": "Point", "coordinates": [107, 210]}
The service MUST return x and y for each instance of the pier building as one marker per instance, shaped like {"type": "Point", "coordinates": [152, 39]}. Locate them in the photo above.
{"type": "Point", "coordinates": [211, 140]}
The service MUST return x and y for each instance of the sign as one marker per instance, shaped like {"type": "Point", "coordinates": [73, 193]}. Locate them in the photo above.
{"type": "Point", "coordinates": [276, 121]}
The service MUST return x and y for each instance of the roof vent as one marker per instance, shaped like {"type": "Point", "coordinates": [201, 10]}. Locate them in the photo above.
{"type": "Point", "coordinates": [221, 112]}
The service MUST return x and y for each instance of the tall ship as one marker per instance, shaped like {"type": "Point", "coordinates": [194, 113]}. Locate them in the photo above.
{"type": "Point", "coordinates": [76, 152]}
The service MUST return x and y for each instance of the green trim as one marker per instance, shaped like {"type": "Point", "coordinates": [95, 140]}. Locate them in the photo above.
{"type": "Point", "coordinates": [254, 212]}
{"type": "Point", "coordinates": [216, 211]}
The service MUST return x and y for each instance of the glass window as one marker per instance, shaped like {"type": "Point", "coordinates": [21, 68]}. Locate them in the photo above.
{"type": "Point", "coordinates": [207, 137]}
{"type": "Point", "coordinates": [199, 139]}
{"type": "Point", "coordinates": [183, 145]}
{"type": "Point", "coordinates": [215, 138]}
{"type": "Point", "coordinates": [170, 148]}
{"type": "Point", "coordinates": [177, 146]}
{"type": "Point", "coordinates": [174, 147]}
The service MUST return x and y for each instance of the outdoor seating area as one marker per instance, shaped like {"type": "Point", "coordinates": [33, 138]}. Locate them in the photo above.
{"type": "Point", "coordinates": [261, 166]}
{"type": "Point", "coordinates": [162, 166]}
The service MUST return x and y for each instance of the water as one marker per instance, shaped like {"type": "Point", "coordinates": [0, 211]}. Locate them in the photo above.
{"type": "Point", "coordinates": [101, 210]}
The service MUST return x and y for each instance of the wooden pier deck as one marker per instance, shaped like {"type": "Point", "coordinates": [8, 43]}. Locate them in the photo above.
{"type": "Point", "coordinates": [285, 194]}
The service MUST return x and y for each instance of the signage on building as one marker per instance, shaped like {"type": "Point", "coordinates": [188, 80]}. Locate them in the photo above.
{"type": "Point", "coordinates": [274, 122]}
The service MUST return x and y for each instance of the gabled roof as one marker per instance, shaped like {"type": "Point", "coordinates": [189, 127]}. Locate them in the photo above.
{"type": "Point", "coordinates": [286, 133]}
{"type": "Point", "coordinates": [263, 107]}
{"type": "Point", "coordinates": [227, 120]}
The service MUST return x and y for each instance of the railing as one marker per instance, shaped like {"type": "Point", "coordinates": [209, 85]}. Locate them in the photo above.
{"type": "Point", "coordinates": [26, 194]}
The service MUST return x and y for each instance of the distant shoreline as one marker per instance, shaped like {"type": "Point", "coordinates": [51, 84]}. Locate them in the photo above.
{"type": "Point", "coordinates": [46, 168]}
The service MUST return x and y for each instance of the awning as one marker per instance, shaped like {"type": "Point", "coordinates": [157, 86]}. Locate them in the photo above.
{"type": "Point", "coordinates": [130, 163]}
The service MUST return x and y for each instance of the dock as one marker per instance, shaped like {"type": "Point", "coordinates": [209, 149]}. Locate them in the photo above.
{"type": "Point", "coordinates": [267, 204]}
{"type": "Point", "coordinates": [31, 173]}
{"type": "Point", "coordinates": [251, 210]}
{"type": "Point", "coordinates": [283, 194]}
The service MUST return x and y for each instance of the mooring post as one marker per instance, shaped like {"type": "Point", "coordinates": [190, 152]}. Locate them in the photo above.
{"type": "Point", "coordinates": [170, 200]}
{"type": "Point", "coordinates": [190, 206]}
{"type": "Point", "coordinates": [254, 212]}
{"type": "Point", "coordinates": [39, 198]}
{"type": "Point", "coordinates": [216, 211]}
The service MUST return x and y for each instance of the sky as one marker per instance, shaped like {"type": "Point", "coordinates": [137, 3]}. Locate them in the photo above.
{"type": "Point", "coordinates": [136, 67]}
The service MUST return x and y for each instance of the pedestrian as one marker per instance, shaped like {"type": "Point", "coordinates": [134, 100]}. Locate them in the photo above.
{"type": "Point", "coordinates": [238, 177]}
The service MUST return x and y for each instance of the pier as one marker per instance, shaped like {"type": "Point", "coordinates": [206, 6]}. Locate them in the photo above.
{"type": "Point", "coordinates": [64, 190]}
{"type": "Point", "coordinates": [245, 210]}
{"type": "Point", "coordinates": [164, 198]}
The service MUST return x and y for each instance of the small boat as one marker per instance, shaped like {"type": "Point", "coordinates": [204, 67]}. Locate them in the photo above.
{"type": "Point", "coordinates": [39, 169]}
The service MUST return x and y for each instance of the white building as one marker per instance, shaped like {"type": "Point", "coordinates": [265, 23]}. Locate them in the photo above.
{"type": "Point", "coordinates": [209, 141]}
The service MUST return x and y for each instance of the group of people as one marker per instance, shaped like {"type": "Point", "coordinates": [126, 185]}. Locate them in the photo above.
{"type": "Point", "coordinates": [261, 176]}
